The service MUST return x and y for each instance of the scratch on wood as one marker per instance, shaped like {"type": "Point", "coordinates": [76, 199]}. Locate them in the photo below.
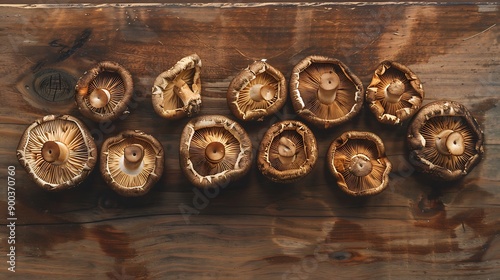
{"type": "Point", "coordinates": [477, 34]}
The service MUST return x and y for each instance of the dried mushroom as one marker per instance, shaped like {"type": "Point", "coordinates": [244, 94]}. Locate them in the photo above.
{"type": "Point", "coordinates": [103, 92]}
{"type": "Point", "coordinates": [214, 151]}
{"type": "Point", "coordinates": [176, 92]}
{"type": "Point", "coordinates": [256, 92]}
{"type": "Point", "coordinates": [445, 140]}
{"type": "Point", "coordinates": [57, 152]}
{"type": "Point", "coordinates": [358, 162]}
{"type": "Point", "coordinates": [132, 162]}
{"type": "Point", "coordinates": [325, 92]}
{"type": "Point", "coordinates": [395, 93]}
{"type": "Point", "coordinates": [288, 152]}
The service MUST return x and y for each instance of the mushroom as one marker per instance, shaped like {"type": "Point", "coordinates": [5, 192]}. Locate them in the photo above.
{"type": "Point", "coordinates": [256, 92]}
{"type": "Point", "coordinates": [445, 140]}
{"type": "Point", "coordinates": [395, 93]}
{"type": "Point", "coordinates": [214, 151]}
{"type": "Point", "coordinates": [131, 162]}
{"type": "Point", "coordinates": [176, 92]}
{"type": "Point", "coordinates": [325, 92]}
{"type": "Point", "coordinates": [287, 152]}
{"type": "Point", "coordinates": [57, 152]}
{"type": "Point", "coordinates": [358, 162]}
{"type": "Point", "coordinates": [103, 92]}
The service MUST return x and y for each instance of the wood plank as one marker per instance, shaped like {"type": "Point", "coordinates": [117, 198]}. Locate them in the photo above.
{"type": "Point", "coordinates": [254, 229]}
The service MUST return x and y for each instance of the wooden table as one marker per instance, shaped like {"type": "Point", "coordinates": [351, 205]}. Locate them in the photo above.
{"type": "Point", "coordinates": [254, 229]}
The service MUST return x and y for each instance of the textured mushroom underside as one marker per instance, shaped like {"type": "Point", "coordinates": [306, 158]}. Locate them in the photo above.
{"type": "Point", "coordinates": [306, 156]}
{"type": "Point", "coordinates": [238, 96]}
{"type": "Point", "coordinates": [167, 101]}
{"type": "Point", "coordinates": [410, 99]}
{"type": "Point", "coordinates": [304, 84]}
{"type": "Point", "coordinates": [241, 163]}
{"type": "Point", "coordinates": [441, 115]}
{"type": "Point", "coordinates": [112, 159]}
{"type": "Point", "coordinates": [66, 130]}
{"type": "Point", "coordinates": [345, 152]}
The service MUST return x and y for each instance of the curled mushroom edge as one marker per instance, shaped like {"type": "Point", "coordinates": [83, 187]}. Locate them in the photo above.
{"type": "Point", "coordinates": [288, 152]}
{"type": "Point", "coordinates": [325, 92]}
{"type": "Point", "coordinates": [445, 140]}
{"type": "Point", "coordinates": [395, 93]}
{"type": "Point", "coordinates": [256, 92]}
{"type": "Point", "coordinates": [57, 151]}
{"type": "Point", "coordinates": [176, 93]}
{"type": "Point", "coordinates": [357, 160]}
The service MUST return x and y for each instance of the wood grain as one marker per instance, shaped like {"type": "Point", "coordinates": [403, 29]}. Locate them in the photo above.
{"type": "Point", "coordinates": [254, 229]}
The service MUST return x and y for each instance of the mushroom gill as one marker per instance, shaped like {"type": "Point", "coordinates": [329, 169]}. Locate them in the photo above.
{"type": "Point", "coordinates": [256, 92]}
{"type": "Point", "coordinates": [104, 91]}
{"type": "Point", "coordinates": [131, 162]}
{"type": "Point", "coordinates": [214, 151]}
{"type": "Point", "coordinates": [358, 161]}
{"type": "Point", "coordinates": [395, 93]}
{"type": "Point", "coordinates": [57, 151]}
{"type": "Point", "coordinates": [287, 151]}
{"type": "Point", "coordinates": [325, 92]}
{"type": "Point", "coordinates": [445, 140]}
{"type": "Point", "coordinates": [176, 92]}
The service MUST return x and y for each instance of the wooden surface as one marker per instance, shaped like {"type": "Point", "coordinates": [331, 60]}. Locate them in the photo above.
{"type": "Point", "coordinates": [253, 229]}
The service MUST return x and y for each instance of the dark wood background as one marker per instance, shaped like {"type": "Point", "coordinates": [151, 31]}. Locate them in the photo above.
{"type": "Point", "coordinates": [253, 229]}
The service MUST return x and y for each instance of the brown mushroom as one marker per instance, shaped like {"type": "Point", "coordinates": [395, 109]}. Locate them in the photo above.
{"type": "Point", "coordinates": [395, 93]}
{"type": "Point", "coordinates": [131, 162]}
{"type": "Point", "coordinates": [256, 92]}
{"type": "Point", "coordinates": [325, 92]}
{"type": "Point", "coordinates": [445, 140]}
{"type": "Point", "coordinates": [103, 92]}
{"type": "Point", "coordinates": [57, 152]}
{"type": "Point", "coordinates": [287, 152]}
{"type": "Point", "coordinates": [358, 162]}
{"type": "Point", "coordinates": [176, 92]}
{"type": "Point", "coordinates": [214, 151]}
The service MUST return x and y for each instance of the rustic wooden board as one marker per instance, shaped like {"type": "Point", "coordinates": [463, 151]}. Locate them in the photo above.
{"type": "Point", "coordinates": [253, 229]}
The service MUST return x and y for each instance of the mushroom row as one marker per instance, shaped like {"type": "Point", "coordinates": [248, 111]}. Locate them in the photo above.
{"type": "Point", "coordinates": [444, 139]}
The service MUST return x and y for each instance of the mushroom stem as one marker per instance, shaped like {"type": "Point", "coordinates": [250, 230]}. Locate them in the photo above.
{"type": "Point", "coordinates": [394, 91]}
{"type": "Point", "coordinates": [99, 97]}
{"type": "Point", "coordinates": [259, 92]}
{"type": "Point", "coordinates": [449, 142]}
{"type": "Point", "coordinates": [286, 150]}
{"type": "Point", "coordinates": [215, 152]}
{"type": "Point", "coordinates": [360, 165]}
{"type": "Point", "coordinates": [132, 156]}
{"type": "Point", "coordinates": [328, 85]}
{"type": "Point", "coordinates": [184, 91]}
{"type": "Point", "coordinates": [55, 152]}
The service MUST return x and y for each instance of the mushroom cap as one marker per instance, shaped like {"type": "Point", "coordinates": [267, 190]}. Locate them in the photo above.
{"type": "Point", "coordinates": [287, 152]}
{"type": "Point", "coordinates": [176, 92]}
{"type": "Point", "coordinates": [395, 93]}
{"type": "Point", "coordinates": [358, 162]}
{"type": "Point", "coordinates": [256, 92]}
{"type": "Point", "coordinates": [136, 148]}
{"type": "Point", "coordinates": [103, 92]}
{"type": "Point", "coordinates": [39, 147]}
{"type": "Point", "coordinates": [198, 141]}
{"type": "Point", "coordinates": [445, 140]}
{"type": "Point", "coordinates": [340, 102]}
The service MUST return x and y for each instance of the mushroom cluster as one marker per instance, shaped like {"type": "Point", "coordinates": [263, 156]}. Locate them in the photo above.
{"type": "Point", "coordinates": [214, 151]}
{"type": "Point", "coordinates": [325, 92]}
{"type": "Point", "coordinates": [103, 92]}
{"type": "Point", "coordinates": [57, 152]}
{"type": "Point", "coordinates": [445, 141]}
{"type": "Point", "coordinates": [256, 92]}
{"type": "Point", "coordinates": [131, 162]}
{"type": "Point", "coordinates": [287, 152]}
